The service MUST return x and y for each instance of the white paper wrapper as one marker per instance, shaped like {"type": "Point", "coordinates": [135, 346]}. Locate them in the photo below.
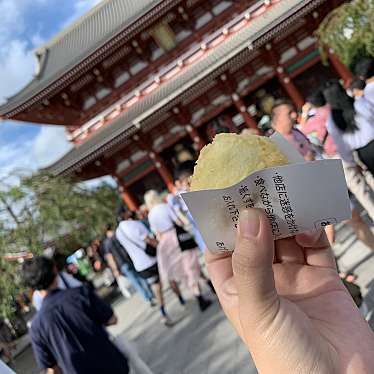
{"type": "Point", "coordinates": [298, 197]}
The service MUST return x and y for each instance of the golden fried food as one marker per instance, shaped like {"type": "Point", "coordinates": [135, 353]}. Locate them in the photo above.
{"type": "Point", "coordinates": [231, 158]}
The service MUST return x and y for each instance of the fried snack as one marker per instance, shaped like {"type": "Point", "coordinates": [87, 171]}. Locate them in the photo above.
{"type": "Point", "coordinates": [231, 158]}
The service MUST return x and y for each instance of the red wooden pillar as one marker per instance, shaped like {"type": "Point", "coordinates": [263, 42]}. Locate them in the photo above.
{"type": "Point", "coordinates": [162, 170]}
{"type": "Point", "coordinates": [228, 87]}
{"type": "Point", "coordinates": [157, 161]}
{"type": "Point", "coordinates": [184, 117]}
{"type": "Point", "coordinates": [283, 78]}
{"type": "Point", "coordinates": [127, 197]}
{"type": "Point", "coordinates": [340, 68]}
{"type": "Point", "coordinates": [242, 109]}
{"type": "Point", "coordinates": [292, 91]}
{"type": "Point", "coordinates": [196, 138]}
{"type": "Point", "coordinates": [230, 123]}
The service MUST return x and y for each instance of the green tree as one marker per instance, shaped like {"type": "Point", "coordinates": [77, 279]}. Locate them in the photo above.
{"type": "Point", "coordinates": [349, 31]}
{"type": "Point", "coordinates": [43, 211]}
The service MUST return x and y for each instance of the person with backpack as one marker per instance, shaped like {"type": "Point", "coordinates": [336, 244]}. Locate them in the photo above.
{"type": "Point", "coordinates": [141, 246]}
{"type": "Point", "coordinates": [120, 263]}
{"type": "Point", "coordinates": [68, 334]}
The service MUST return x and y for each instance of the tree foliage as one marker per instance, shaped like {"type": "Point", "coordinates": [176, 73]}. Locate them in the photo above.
{"type": "Point", "coordinates": [42, 211]}
{"type": "Point", "coordinates": [349, 31]}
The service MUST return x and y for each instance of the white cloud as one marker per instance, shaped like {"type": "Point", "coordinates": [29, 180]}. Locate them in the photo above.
{"type": "Point", "coordinates": [37, 40]}
{"type": "Point", "coordinates": [37, 152]}
{"type": "Point", "coordinates": [49, 145]}
{"type": "Point", "coordinates": [12, 21]}
{"type": "Point", "coordinates": [16, 68]}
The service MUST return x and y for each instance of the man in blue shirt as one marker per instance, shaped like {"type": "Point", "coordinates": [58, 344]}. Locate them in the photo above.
{"type": "Point", "coordinates": [68, 333]}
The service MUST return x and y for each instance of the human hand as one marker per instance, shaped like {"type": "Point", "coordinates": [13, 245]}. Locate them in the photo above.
{"type": "Point", "coordinates": [310, 156]}
{"type": "Point", "coordinates": [286, 301]}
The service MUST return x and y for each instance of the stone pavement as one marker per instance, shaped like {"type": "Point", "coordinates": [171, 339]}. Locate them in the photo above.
{"type": "Point", "coordinates": [200, 343]}
{"type": "Point", "coordinates": [205, 343]}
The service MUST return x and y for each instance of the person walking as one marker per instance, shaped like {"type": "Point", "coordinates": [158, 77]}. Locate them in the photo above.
{"type": "Point", "coordinates": [175, 265]}
{"type": "Point", "coordinates": [182, 176]}
{"type": "Point", "coordinates": [68, 333]}
{"type": "Point", "coordinates": [283, 119]}
{"type": "Point", "coordinates": [364, 70]}
{"type": "Point", "coordinates": [141, 247]}
{"type": "Point", "coordinates": [120, 263]}
{"type": "Point", "coordinates": [350, 130]}
{"type": "Point", "coordinates": [359, 181]}
{"type": "Point", "coordinates": [64, 281]}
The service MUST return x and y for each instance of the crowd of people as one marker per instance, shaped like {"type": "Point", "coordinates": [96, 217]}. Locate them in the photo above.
{"type": "Point", "coordinates": [284, 298]}
{"type": "Point", "coordinates": [337, 122]}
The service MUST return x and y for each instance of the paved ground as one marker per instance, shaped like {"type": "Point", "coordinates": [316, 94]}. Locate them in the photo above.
{"type": "Point", "coordinates": [205, 343]}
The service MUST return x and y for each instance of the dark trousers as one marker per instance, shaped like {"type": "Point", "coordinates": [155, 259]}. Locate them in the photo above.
{"type": "Point", "coordinates": [366, 155]}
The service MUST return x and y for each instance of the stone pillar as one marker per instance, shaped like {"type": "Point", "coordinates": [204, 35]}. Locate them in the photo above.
{"type": "Point", "coordinates": [242, 109]}
{"type": "Point", "coordinates": [292, 91]}
{"type": "Point", "coordinates": [340, 68]}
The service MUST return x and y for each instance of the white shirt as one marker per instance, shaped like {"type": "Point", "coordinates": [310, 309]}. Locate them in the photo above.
{"type": "Point", "coordinates": [369, 93]}
{"type": "Point", "coordinates": [131, 235]}
{"type": "Point", "coordinates": [346, 143]}
{"type": "Point", "coordinates": [161, 218]}
{"type": "Point", "coordinates": [364, 110]}
{"type": "Point", "coordinates": [37, 299]}
{"type": "Point", "coordinates": [5, 369]}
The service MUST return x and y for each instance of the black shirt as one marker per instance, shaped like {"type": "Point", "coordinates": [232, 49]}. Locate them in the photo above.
{"type": "Point", "coordinates": [113, 246]}
{"type": "Point", "coordinates": [69, 332]}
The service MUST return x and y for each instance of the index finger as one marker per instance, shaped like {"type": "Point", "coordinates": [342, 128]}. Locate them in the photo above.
{"type": "Point", "coordinates": [317, 249]}
{"type": "Point", "coordinates": [219, 267]}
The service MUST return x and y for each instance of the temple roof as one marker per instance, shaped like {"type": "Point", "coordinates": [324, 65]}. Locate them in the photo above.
{"type": "Point", "coordinates": [192, 78]}
{"type": "Point", "coordinates": [79, 41]}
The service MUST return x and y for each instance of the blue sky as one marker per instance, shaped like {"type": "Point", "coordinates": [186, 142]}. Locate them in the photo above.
{"type": "Point", "coordinates": [25, 25]}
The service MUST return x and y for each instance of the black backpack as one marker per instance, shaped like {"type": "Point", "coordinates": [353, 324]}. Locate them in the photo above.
{"type": "Point", "coordinates": [119, 253]}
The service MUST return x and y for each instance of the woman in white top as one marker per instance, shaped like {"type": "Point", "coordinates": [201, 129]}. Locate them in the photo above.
{"type": "Point", "coordinates": [351, 130]}
{"type": "Point", "coordinates": [134, 237]}
{"type": "Point", "coordinates": [174, 264]}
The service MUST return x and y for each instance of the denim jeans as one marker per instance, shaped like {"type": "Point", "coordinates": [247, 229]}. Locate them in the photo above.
{"type": "Point", "coordinates": [140, 284]}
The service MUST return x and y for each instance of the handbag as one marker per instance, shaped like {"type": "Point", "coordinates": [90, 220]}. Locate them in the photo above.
{"type": "Point", "coordinates": [149, 249]}
{"type": "Point", "coordinates": [185, 239]}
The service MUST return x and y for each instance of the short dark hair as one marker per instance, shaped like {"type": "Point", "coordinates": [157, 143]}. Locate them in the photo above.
{"type": "Point", "coordinates": [59, 260]}
{"type": "Point", "coordinates": [281, 101]}
{"type": "Point", "coordinates": [124, 213]}
{"type": "Point", "coordinates": [184, 169]}
{"type": "Point", "coordinates": [39, 273]}
{"type": "Point", "coordinates": [316, 99]}
{"type": "Point", "coordinates": [357, 83]}
{"type": "Point", "coordinates": [108, 227]}
{"type": "Point", "coordinates": [364, 69]}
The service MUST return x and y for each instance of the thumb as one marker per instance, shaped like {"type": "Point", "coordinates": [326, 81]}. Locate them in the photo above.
{"type": "Point", "coordinates": [253, 264]}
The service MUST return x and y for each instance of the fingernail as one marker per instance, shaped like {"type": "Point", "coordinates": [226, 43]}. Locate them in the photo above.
{"type": "Point", "coordinates": [249, 223]}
